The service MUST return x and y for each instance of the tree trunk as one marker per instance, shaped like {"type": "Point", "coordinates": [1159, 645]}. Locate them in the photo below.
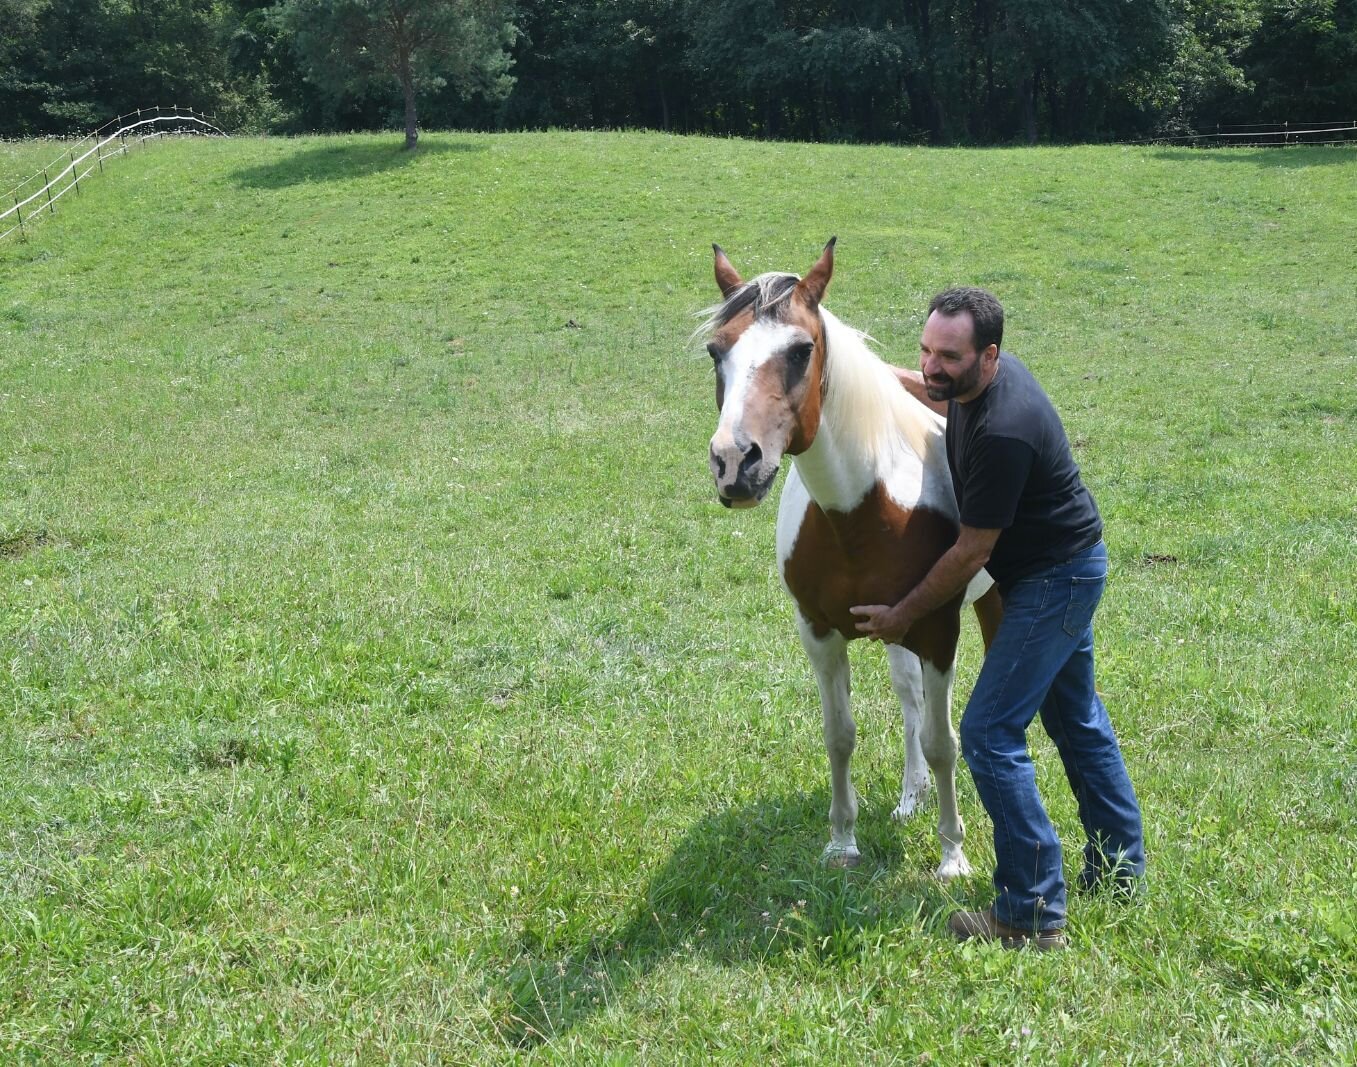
{"type": "Point", "coordinates": [990, 128]}
{"type": "Point", "coordinates": [1029, 107]}
{"type": "Point", "coordinates": [1057, 118]}
{"type": "Point", "coordinates": [411, 120]}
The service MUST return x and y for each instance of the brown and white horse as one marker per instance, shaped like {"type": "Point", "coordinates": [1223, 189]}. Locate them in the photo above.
{"type": "Point", "coordinates": [867, 510]}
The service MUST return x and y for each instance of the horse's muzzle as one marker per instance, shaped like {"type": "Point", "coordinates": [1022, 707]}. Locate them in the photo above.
{"type": "Point", "coordinates": [749, 486]}
{"type": "Point", "coordinates": [742, 473]}
{"type": "Point", "coordinates": [741, 502]}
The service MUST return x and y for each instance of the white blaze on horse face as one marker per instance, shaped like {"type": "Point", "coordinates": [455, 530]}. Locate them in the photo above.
{"type": "Point", "coordinates": [741, 423]}
{"type": "Point", "coordinates": [755, 347]}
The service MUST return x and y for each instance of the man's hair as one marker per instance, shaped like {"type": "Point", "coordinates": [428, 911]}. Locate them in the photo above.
{"type": "Point", "coordinates": [987, 314]}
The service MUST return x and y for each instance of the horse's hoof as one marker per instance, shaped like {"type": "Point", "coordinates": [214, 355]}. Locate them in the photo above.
{"type": "Point", "coordinates": [841, 858]}
{"type": "Point", "coordinates": [953, 867]}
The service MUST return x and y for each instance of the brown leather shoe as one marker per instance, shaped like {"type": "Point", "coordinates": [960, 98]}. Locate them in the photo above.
{"type": "Point", "coordinates": [983, 926]}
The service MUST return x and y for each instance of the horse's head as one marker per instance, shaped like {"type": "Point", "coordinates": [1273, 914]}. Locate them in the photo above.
{"type": "Point", "coordinates": [768, 345]}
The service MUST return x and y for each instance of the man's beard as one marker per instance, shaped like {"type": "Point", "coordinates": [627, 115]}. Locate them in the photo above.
{"type": "Point", "coordinates": [953, 387]}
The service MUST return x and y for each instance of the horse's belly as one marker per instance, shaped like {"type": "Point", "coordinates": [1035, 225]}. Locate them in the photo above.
{"type": "Point", "coordinates": [874, 554]}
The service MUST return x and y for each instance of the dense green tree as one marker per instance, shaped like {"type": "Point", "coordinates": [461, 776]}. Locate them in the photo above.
{"type": "Point", "coordinates": [1303, 61]}
{"type": "Point", "coordinates": [1076, 57]}
{"type": "Point", "coordinates": [1000, 70]}
{"type": "Point", "coordinates": [603, 64]}
{"type": "Point", "coordinates": [74, 64]}
{"type": "Point", "coordinates": [947, 71]}
{"type": "Point", "coordinates": [1203, 75]}
{"type": "Point", "coordinates": [348, 46]}
{"type": "Point", "coordinates": [19, 86]}
{"type": "Point", "coordinates": [802, 68]}
{"type": "Point", "coordinates": [271, 92]}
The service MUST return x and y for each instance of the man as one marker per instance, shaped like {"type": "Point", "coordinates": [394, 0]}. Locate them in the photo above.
{"type": "Point", "coordinates": [1027, 516]}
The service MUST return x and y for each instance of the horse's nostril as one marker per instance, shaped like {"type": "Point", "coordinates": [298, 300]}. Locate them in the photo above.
{"type": "Point", "coordinates": [751, 459]}
{"type": "Point", "coordinates": [718, 464]}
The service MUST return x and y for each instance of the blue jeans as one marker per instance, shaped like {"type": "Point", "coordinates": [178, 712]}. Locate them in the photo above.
{"type": "Point", "coordinates": [1042, 660]}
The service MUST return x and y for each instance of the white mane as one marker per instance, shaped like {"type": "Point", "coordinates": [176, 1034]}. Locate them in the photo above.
{"type": "Point", "coordinates": [865, 406]}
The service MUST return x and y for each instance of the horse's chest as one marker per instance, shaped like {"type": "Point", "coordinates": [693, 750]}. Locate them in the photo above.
{"type": "Point", "coordinates": [874, 554]}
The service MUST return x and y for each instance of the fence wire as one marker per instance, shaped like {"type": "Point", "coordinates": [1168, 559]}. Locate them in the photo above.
{"type": "Point", "coordinates": [129, 131]}
{"type": "Point", "coordinates": [1263, 135]}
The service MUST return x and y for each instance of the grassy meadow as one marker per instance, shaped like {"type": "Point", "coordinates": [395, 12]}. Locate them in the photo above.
{"type": "Point", "coordinates": [383, 683]}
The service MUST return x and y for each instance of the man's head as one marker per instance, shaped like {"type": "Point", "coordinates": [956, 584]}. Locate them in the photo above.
{"type": "Point", "coordinates": [959, 350]}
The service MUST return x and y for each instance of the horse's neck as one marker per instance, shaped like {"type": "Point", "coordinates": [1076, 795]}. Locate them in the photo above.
{"type": "Point", "coordinates": [836, 477]}
{"type": "Point", "coordinates": [869, 434]}
{"type": "Point", "coordinates": [840, 478]}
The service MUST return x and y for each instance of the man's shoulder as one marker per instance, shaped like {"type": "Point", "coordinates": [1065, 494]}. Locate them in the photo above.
{"type": "Point", "coordinates": [1021, 405]}
{"type": "Point", "coordinates": [1014, 377]}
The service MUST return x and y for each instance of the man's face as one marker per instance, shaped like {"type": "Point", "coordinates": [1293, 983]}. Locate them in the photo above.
{"type": "Point", "coordinates": [950, 364]}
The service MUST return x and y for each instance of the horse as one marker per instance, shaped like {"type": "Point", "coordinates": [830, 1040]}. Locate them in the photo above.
{"type": "Point", "coordinates": [867, 509]}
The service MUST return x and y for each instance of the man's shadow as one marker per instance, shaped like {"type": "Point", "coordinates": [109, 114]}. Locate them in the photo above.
{"type": "Point", "coordinates": [744, 884]}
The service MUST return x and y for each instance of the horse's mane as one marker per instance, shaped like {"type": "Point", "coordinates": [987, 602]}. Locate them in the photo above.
{"type": "Point", "coordinates": [865, 404]}
{"type": "Point", "coordinates": [766, 295]}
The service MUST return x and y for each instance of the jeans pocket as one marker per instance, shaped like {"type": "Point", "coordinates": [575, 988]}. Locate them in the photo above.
{"type": "Point", "coordinates": [1084, 596]}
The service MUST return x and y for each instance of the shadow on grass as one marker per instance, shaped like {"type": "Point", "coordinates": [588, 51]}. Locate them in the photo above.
{"type": "Point", "coordinates": [1281, 156]}
{"type": "Point", "coordinates": [337, 162]}
{"type": "Point", "coordinates": [743, 885]}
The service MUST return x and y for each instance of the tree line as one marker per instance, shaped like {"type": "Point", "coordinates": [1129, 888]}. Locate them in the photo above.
{"type": "Point", "coordinates": [919, 71]}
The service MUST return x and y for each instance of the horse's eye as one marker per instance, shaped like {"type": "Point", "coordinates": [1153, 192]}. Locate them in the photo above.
{"type": "Point", "coordinates": [800, 353]}
{"type": "Point", "coordinates": [714, 351]}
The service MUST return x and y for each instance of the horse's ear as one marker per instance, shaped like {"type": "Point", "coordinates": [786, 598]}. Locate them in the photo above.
{"type": "Point", "coordinates": [812, 287]}
{"type": "Point", "coordinates": [726, 276]}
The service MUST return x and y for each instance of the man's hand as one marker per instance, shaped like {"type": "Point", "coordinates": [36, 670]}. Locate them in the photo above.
{"type": "Point", "coordinates": [883, 622]}
{"type": "Point", "coordinates": [948, 578]}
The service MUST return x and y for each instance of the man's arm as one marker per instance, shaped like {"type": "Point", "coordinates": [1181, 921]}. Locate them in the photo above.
{"type": "Point", "coordinates": [949, 576]}
{"type": "Point", "coordinates": [914, 382]}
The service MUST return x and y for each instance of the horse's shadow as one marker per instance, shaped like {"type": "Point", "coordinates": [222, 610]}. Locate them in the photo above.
{"type": "Point", "coordinates": [743, 885]}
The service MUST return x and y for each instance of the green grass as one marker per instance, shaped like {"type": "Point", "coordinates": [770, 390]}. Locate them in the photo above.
{"type": "Point", "coordinates": [20, 160]}
{"type": "Point", "coordinates": [383, 682]}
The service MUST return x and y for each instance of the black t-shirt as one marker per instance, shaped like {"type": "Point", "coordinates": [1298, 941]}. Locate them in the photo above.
{"type": "Point", "coordinates": [1013, 471]}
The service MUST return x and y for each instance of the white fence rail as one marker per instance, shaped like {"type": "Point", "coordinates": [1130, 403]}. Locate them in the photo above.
{"type": "Point", "coordinates": [35, 198]}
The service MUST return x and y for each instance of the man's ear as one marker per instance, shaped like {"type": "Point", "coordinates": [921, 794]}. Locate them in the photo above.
{"type": "Point", "coordinates": [726, 276]}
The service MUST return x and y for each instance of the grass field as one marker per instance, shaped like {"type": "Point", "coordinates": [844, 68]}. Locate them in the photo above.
{"type": "Point", "coordinates": [382, 681]}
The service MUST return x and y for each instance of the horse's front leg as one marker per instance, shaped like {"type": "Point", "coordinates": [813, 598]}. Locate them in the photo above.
{"type": "Point", "coordinates": [829, 656]}
{"type": "Point", "coordinates": [939, 742]}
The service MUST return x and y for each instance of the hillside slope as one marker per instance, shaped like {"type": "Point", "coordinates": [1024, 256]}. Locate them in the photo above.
{"type": "Point", "coordinates": [383, 683]}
